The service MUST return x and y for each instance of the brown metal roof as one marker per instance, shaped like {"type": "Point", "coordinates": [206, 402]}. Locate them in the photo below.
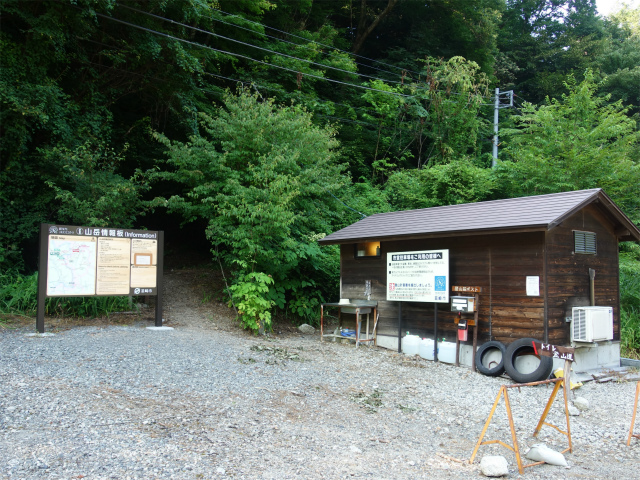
{"type": "Point", "coordinates": [540, 212]}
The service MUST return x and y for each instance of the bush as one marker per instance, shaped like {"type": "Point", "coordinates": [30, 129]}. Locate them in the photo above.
{"type": "Point", "coordinates": [630, 300]}
{"type": "Point", "coordinates": [250, 295]}
{"type": "Point", "coordinates": [19, 296]}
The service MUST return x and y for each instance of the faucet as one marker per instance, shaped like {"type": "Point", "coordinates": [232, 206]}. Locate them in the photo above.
{"type": "Point", "coordinates": [367, 289]}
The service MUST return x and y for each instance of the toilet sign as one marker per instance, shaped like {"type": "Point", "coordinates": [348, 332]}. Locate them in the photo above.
{"type": "Point", "coordinates": [554, 351]}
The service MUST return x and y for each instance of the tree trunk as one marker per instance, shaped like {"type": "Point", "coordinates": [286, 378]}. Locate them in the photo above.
{"type": "Point", "coordinates": [362, 32]}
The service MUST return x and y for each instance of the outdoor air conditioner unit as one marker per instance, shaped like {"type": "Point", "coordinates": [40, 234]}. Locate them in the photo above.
{"type": "Point", "coordinates": [592, 324]}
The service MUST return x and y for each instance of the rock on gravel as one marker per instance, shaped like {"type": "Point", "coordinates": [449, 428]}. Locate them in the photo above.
{"type": "Point", "coordinates": [581, 404]}
{"type": "Point", "coordinates": [494, 466]}
{"type": "Point", "coordinates": [306, 329]}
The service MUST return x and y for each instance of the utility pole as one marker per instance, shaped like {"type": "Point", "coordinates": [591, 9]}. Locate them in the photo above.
{"type": "Point", "coordinates": [498, 106]}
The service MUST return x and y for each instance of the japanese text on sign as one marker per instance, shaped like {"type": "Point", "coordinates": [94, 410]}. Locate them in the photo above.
{"type": "Point", "coordinates": [421, 276]}
{"type": "Point", "coordinates": [86, 261]}
{"type": "Point", "coordinates": [554, 351]}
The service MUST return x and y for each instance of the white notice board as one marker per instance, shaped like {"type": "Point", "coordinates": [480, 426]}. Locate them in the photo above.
{"type": "Point", "coordinates": [421, 276]}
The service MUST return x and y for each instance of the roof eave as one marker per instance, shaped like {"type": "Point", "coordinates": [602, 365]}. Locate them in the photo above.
{"type": "Point", "coordinates": [419, 236]}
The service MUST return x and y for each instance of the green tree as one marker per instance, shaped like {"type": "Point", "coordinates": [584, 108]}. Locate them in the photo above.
{"type": "Point", "coordinates": [620, 60]}
{"type": "Point", "coordinates": [451, 118]}
{"type": "Point", "coordinates": [543, 41]}
{"type": "Point", "coordinates": [578, 142]}
{"type": "Point", "coordinates": [74, 85]}
{"type": "Point", "coordinates": [459, 181]}
{"type": "Point", "coordinates": [263, 177]}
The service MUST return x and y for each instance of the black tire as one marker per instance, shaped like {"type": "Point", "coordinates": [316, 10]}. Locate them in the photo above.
{"type": "Point", "coordinates": [524, 347]}
{"type": "Point", "coordinates": [485, 363]}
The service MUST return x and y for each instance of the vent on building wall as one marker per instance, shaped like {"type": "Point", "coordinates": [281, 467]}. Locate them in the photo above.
{"type": "Point", "coordinates": [592, 324]}
{"type": "Point", "coordinates": [584, 242]}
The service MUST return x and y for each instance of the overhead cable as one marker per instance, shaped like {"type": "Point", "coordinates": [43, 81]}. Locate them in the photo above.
{"type": "Point", "coordinates": [321, 44]}
{"type": "Point", "coordinates": [249, 58]}
{"type": "Point", "coordinates": [310, 62]}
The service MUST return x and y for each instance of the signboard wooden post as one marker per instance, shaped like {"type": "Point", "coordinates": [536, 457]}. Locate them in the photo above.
{"type": "Point", "coordinates": [96, 261]}
{"type": "Point", "coordinates": [556, 351]}
{"type": "Point", "coordinates": [476, 290]}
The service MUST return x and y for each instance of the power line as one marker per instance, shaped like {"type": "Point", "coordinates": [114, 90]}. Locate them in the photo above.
{"type": "Point", "coordinates": [258, 61]}
{"type": "Point", "coordinates": [221, 94]}
{"type": "Point", "coordinates": [321, 44]}
{"type": "Point", "coordinates": [311, 62]}
{"type": "Point", "coordinates": [244, 82]}
{"type": "Point", "coordinates": [281, 39]}
{"type": "Point", "coordinates": [249, 58]}
{"type": "Point", "coordinates": [284, 54]}
{"type": "Point", "coordinates": [300, 45]}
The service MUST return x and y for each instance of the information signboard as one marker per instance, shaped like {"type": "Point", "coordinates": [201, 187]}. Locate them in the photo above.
{"type": "Point", "coordinates": [86, 261]}
{"type": "Point", "coordinates": [89, 261]}
{"type": "Point", "coordinates": [420, 276]}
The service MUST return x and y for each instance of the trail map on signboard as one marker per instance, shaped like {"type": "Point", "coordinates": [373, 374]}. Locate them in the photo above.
{"type": "Point", "coordinates": [72, 265]}
{"type": "Point", "coordinates": [421, 276]}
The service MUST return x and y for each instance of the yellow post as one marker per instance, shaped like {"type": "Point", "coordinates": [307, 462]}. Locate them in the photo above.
{"type": "Point", "coordinates": [486, 425]}
{"type": "Point", "coordinates": [567, 392]}
{"type": "Point", "coordinates": [633, 416]}
{"type": "Point", "coordinates": [513, 432]}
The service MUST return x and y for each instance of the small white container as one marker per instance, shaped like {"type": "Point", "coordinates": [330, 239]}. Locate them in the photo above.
{"type": "Point", "coordinates": [447, 352]}
{"type": "Point", "coordinates": [410, 344]}
{"type": "Point", "coordinates": [425, 349]}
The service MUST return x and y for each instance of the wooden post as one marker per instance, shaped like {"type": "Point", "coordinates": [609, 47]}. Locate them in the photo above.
{"type": "Point", "coordinates": [457, 362]}
{"type": "Point", "coordinates": [475, 333]}
{"type": "Point", "coordinates": [633, 417]}
{"type": "Point", "coordinates": [42, 276]}
{"type": "Point", "coordinates": [435, 332]}
{"type": "Point", "coordinates": [567, 396]}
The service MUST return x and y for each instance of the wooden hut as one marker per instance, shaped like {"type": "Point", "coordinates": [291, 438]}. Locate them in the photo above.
{"type": "Point", "coordinates": [497, 245]}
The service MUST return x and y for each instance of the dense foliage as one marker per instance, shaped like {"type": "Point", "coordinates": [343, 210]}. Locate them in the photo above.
{"type": "Point", "coordinates": [270, 123]}
{"type": "Point", "coordinates": [264, 179]}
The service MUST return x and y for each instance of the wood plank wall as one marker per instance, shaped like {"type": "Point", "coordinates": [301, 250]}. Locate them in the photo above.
{"type": "Point", "coordinates": [499, 263]}
{"type": "Point", "coordinates": [568, 273]}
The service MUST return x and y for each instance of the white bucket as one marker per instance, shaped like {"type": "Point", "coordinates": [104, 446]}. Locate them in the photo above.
{"type": "Point", "coordinates": [447, 352]}
{"type": "Point", "coordinates": [410, 344]}
{"type": "Point", "coordinates": [425, 349]}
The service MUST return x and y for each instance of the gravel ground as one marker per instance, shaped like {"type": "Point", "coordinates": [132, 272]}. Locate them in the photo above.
{"type": "Point", "coordinates": [208, 401]}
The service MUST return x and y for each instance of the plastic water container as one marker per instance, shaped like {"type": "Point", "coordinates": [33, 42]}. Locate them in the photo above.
{"type": "Point", "coordinates": [425, 348]}
{"type": "Point", "coordinates": [447, 352]}
{"type": "Point", "coordinates": [410, 344]}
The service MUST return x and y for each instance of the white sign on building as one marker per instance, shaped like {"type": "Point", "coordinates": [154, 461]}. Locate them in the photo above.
{"type": "Point", "coordinates": [421, 276]}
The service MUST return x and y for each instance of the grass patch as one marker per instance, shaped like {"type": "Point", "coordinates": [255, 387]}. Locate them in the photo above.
{"type": "Point", "coordinates": [277, 352]}
{"type": "Point", "coordinates": [630, 333]}
{"type": "Point", "coordinates": [370, 402]}
{"type": "Point", "coordinates": [19, 297]}
{"type": "Point", "coordinates": [405, 409]}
